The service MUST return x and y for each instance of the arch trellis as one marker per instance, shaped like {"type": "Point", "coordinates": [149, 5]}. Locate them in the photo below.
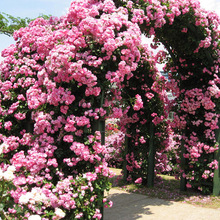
{"type": "Point", "coordinates": [64, 76]}
{"type": "Point", "coordinates": [190, 35]}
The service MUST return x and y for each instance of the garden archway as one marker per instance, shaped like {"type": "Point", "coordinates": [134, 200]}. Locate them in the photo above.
{"type": "Point", "coordinates": [54, 74]}
{"type": "Point", "coordinates": [190, 34]}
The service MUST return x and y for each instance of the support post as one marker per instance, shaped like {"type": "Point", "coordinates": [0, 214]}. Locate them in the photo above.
{"type": "Point", "coordinates": [29, 123]}
{"type": "Point", "coordinates": [125, 171]}
{"type": "Point", "coordinates": [99, 125]}
{"type": "Point", "coordinates": [216, 180]}
{"type": "Point", "coordinates": [151, 158]}
{"type": "Point", "coordinates": [182, 164]}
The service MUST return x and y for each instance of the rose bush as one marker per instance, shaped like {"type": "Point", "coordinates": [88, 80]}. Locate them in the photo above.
{"type": "Point", "coordinates": [190, 35]}
{"type": "Point", "coordinates": [56, 83]}
{"type": "Point", "coordinates": [64, 75]}
{"type": "Point", "coordinates": [145, 96]}
{"type": "Point", "coordinates": [59, 79]}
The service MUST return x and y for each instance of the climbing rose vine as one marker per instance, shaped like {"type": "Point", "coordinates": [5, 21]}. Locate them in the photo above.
{"type": "Point", "coordinates": [190, 35]}
{"type": "Point", "coordinates": [65, 75]}
{"type": "Point", "coordinates": [60, 78]}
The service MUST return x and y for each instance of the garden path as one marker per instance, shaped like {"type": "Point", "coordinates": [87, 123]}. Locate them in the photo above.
{"type": "Point", "coordinates": [131, 206]}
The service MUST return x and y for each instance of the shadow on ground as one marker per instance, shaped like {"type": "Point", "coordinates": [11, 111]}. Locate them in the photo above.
{"type": "Point", "coordinates": [130, 206]}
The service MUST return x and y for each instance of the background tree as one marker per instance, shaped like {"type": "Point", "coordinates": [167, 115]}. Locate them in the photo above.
{"type": "Point", "coordinates": [9, 23]}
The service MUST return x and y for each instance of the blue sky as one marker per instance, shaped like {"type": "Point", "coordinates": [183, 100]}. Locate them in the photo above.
{"type": "Point", "coordinates": [33, 8]}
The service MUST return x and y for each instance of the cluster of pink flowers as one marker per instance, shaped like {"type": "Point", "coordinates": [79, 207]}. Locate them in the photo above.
{"type": "Point", "coordinates": [148, 91]}
{"type": "Point", "coordinates": [138, 103]}
{"type": "Point", "coordinates": [197, 116]}
{"type": "Point", "coordinates": [114, 147]}
{"type": "Point", "coordinates": [195, 104]}
{"type": "Point", "coordinates": [58, 69]}
{"type": "Point", "coordinates": [65, 74]}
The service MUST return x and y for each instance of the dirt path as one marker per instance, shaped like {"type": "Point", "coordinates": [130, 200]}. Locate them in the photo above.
{"type": "Point", "coordinates": [130, 206]}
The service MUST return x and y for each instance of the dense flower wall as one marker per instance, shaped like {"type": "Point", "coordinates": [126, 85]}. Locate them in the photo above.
{"type": "Point", "coordinates": [190, 35]}
{"type": "Point", "coordinates": [64, 75]}
{"type": "Point", "coordinates": [58, 81]}
{"type": "Point", "coordinates": [145, 97]}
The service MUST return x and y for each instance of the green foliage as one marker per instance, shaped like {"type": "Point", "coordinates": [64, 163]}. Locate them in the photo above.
{"type": "Point", "coordinates": [9, 23]}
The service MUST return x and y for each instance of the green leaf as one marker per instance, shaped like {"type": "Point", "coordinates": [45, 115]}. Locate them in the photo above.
{"type": "Point", "coordinates": [9, 23]}
{"type": "Point", "coordinates": [1, 207]}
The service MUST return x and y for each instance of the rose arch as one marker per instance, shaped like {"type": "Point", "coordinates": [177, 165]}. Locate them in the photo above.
{"type": "Point", "coordinates": [191, 38]}
{"type": "Point", "coordinates": [65, 76]}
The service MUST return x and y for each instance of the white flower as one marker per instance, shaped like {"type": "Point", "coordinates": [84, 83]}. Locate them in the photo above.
{"type": "Point", "coordinates": [37, 195]}
{"type": "Point", "coordinates": [11, 168]}
{"type": "Point", "coordinates": [2, 147]}
{"type": "Point", "coordinates": [83, 193]}
{"type": "Point", "coordinates": [24, 199]}
{"type": "Point", "coordinates": [34, 217]}
{"type": "Point", "coordinates": [59, 213]}
{"type": "Point", "coordinates": [8, 175]}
